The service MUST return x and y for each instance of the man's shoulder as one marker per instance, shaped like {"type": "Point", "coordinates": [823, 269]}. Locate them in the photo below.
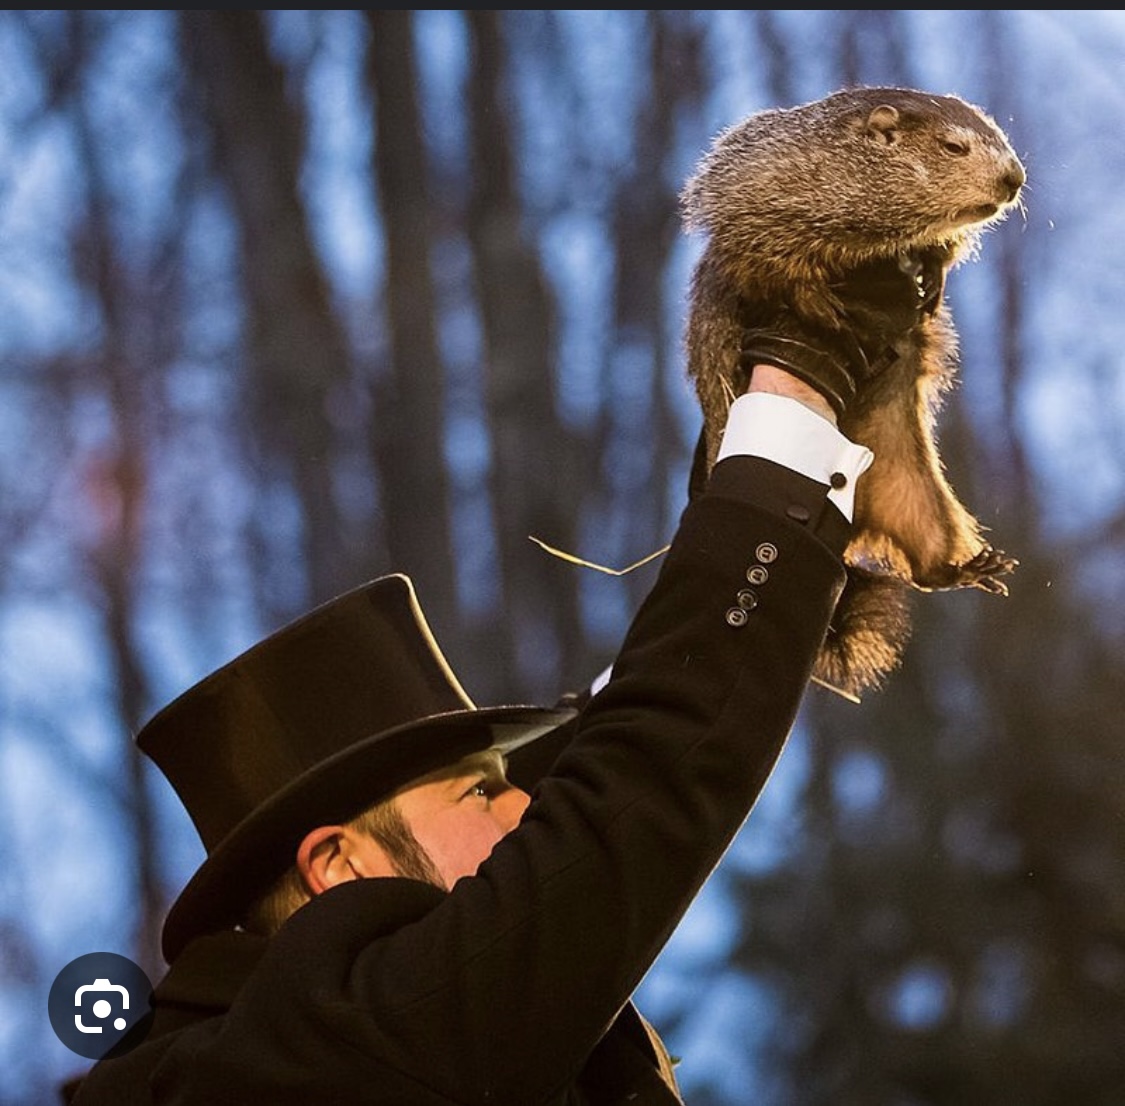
{"type": "Point", "coordinates": [122, 1081]}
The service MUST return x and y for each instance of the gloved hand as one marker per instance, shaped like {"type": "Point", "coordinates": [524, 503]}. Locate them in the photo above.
{"type": "Point", "coordinates": [881, 302]}
{"type": "Point", "coordinates": [884, 299]}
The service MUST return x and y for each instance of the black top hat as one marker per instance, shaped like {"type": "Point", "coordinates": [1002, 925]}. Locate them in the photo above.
{"type": "Point", "coordinates": [314, 723]}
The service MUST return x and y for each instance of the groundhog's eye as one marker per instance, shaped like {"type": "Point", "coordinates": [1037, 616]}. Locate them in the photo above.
{"type": "Point", "coordinates": [954, 148]}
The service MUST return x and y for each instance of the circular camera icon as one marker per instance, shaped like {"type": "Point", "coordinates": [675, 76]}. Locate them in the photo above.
{"type": "Point", "coordinates": [100, 1005]}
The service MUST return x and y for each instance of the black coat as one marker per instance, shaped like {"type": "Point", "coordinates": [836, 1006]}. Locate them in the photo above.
{"type": "Point", "coordinates": [513, 989]}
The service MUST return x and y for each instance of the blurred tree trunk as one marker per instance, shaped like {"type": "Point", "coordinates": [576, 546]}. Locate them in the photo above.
{"type": "Point", "coordinates": [869, 42]}
{"type": "Point", "coordinates": [536, 467]}
{"type": "Point", "coordinates": [409, 412]}
{"type": "Point", "coordinates": [113, 479]}
{"type": "Point", "coordinates": [640, 437]}
{"type": "Point", "coordinates": [297, 358]}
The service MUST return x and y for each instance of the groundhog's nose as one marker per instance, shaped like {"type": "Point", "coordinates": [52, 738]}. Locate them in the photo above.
{"type": "Point", "coordinates": [1013, 180]}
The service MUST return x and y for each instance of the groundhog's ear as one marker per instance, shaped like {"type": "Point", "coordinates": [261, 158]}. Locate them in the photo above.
{"type": "Point", "coordinates": [882, 124]}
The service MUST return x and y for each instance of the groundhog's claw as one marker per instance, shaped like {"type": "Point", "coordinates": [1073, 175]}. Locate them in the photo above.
{"type": "Point", "coordinates": [992, 586]}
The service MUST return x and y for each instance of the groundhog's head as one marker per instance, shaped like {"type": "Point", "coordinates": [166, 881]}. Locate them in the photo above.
{"type": "Point", "coordinates": [799, 194]}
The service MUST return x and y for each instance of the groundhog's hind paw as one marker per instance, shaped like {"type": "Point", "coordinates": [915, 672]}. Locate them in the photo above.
{"type": "Point", "coordinates": [986, 568]}
{"type": "Point", "coordinates": [983, 571]}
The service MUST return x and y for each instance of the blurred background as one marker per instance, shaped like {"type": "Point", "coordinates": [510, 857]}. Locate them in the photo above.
{"type": "Point", "coordinates": [290, 299]}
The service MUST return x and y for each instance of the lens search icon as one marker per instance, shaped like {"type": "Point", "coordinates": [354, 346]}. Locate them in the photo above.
{"type": "Point", "coordinates": [101, 1005]}
{"type": "Point", "coordinates": [102, 1008]}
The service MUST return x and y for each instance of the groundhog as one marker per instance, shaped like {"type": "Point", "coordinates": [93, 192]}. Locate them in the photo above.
{"type": "Point", "coordinates": [791, 199]}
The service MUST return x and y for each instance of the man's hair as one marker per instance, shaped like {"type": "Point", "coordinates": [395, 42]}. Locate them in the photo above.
{"type": "Point", "coordinates": [383, 823]}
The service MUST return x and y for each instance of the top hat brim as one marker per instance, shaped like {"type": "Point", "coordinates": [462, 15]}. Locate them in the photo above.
{"type": "Point", "coordinates": [254, 854]}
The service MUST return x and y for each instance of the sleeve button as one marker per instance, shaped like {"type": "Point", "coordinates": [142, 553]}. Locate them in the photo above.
{"type": "Point", "coordinates": [766, 552]}
{"type": "Point", "coordinates": [747, 599]}
{"type": "Point", "coordinates": [736, 617]}
{"type": "Point", "coordinates": [756, 574]}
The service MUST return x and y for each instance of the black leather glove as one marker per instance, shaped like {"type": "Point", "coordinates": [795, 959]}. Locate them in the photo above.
{"type": "Point", "coordinates": [881, 302]}
{"type": "Point", "coordinates": [818, 357]}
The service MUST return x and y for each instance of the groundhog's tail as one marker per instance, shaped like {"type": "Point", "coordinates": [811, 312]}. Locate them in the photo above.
{"type": "Point", "coordinates": [867, 636]}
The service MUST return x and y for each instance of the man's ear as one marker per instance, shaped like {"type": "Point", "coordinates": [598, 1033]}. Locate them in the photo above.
{"type": "Point", "coordinates": [326, 857]}
{"type": "Point", "coordinates": [329, 855]}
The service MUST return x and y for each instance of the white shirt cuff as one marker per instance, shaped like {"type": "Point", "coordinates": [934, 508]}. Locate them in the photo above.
{"type": "Point", "coordinates": [784, 430]}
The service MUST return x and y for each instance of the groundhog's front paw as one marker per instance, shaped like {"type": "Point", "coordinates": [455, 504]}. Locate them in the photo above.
{"type": "Point", "coordinates": [983, 571]}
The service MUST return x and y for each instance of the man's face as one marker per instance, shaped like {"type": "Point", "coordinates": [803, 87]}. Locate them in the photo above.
{"type": "Point", "coordinates": [458, 814]}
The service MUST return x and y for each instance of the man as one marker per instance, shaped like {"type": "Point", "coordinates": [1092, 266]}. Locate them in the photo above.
{"type": "Point", "coordinates": [408, 899]}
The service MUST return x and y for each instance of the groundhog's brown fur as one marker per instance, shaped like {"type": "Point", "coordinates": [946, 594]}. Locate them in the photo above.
{"type": "Point", "coordinates": [789, 199]}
